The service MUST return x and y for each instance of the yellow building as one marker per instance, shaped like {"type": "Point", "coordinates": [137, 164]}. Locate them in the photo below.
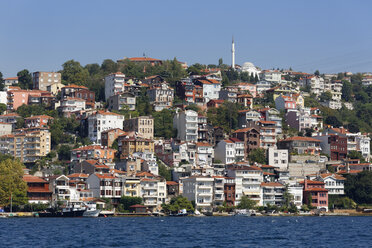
{"type": "Point", "coordinates": [130, 145]}
{"type": "Point", "coordinates": [27, 146]}
{"type": "Point", "coordinates": [132, 187]}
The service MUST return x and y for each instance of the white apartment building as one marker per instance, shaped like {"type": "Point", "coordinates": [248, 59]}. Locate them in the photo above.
{"type": "Point", "coordinates": [272, 193]}
{"type": "Point", "coordinates": [363, 145]}
{"type": "Point", "coordinates": [204, 154]}
{"type": "Point", "coordinates": [186, 123]}
{"type": "Point", "coordinates": [225, 152]}
{"type": "Point", "coordinates": [273, 76]}
{"type": "Point", "coordinates": [105, 185]}
{"type": "Point", "coordinates": [153, 192]}
{"type": "Point", "coordinates": [102, 121]}
{"type": "Point", "coordinates": [248, 181]}
{"type": "Point", "coordinates": [5, 128]}
{"type": "Point", "coordinates": [71, 104]}
{"type": "Point", "coordinates": [278, 158]}
{"type": "Point", "coordinates": [161, 96]}
{"type": "Point", "coordinates": [316, 84]}
{"type": "Point", "coordinates": [334, 183]}
{"type": "Point", "coordinates": [200, 190]}
{"type": "Point", "coordinates": [218, 191]}
{"type": "Point", "coordinates": [296, 191]}
{"type": "Point", "coordinates": [114, 84]}
{"type": "Point", "coordinates": [262, 86]}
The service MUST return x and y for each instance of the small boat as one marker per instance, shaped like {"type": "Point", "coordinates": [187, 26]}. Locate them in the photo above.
{"type": "Point", "coordinates": [180, 213]}
{"type": "Point", "coordinates": [91, 210]}
{"type": "Point", "coordinates": [72, 210]}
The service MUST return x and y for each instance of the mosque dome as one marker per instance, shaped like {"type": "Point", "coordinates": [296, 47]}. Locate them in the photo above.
{"type": "Point", "coordinates": [248, 65]}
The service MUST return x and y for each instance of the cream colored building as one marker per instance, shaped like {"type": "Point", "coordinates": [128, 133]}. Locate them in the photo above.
{"type": "Point", "coordinates": [132, 187]}
{"type": "Point", "coordinates": [41, 80]}
{"type": "Point", "coordinates": [143, 125]}
{"type": "Point", "coordinates": [55, 88]}
{"type": "Point", "coordinates": [28, 147]}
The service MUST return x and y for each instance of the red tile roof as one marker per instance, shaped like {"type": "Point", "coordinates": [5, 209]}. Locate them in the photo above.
{"type": "Point", "coordinates": [33, 179]}
{"type": "Point", "coordinates": [272, 184]}
{"type": "Point", "coordinates": [80, 175]}
{"type": "Point", "coordinates": [172, 183]}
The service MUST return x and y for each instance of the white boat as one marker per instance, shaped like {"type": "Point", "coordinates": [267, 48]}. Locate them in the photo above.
{"type": "Point", "coordinates": [91, 210]}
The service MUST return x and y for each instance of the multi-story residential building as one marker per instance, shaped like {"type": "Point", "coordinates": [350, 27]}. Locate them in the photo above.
{"type": "Point", "coordinates": [285, 103]}
{"type": "Point", "coordinates": [302, 119]}
{"type": "Point", "coordinates": [93, 152]}
{"type": "Point", "coordinates": [161, 96]}
{"type": "Point", "coordinates": [105, 185]}
{"type": "Point", "coordinates": [247, 88]}
{"type": "Point", "coordinates": [11, 81]}
{"type": "Point", "coordinates": [267, 133]}
{"type": "Point", "coordinates": [363, 145]}
{"type": "Point", "coordinates": [247, 118]}
{"type": "Point", "coordinates": [204, 154]}
{"type": "Point", "coordinates": [229, 191]}
{"type": "Point", "coordinates": [296, 190]}
{"type": "Point", "coordinates": [153, 192]}
{"type": "Point", "coordinates": [211, 89]}
{"type": "Point", "coordinates": [225, 152]}
{"type": "Point", "coordinates": [60, 187]}
{"type": "Point", "coordinates": [28, 146]}
{"type": "Point", "coordinates": [109, 136]}
{"type": "Point", "coordinates": [10, 118]}
{"type": "Point", "coordinates": [272, 193]}
{"type": "Point", "coordinates": [333, 145]}
{"type": "Point", "coordinates": [272, 114]}
{"type": "Point", "coordinates": [130, 145]}
{"type": "Point", "coordinates": [301, 145]}
{"type": "Point", "coordinates": [239, 149]}
{"type": "Point", "coordinates": [334, 183]}
{"type": "Point", "coordinates": [229, 94]}
{"type": "Point", "coordinates": [367, 80]}
{"type": "Point", "coordinates": [278, 158]}
{"type": "Point", "coordinates": [55, 88]}
{"type": "Point", "coordinates": [102, 121]}
{"type": "Point", "coordinates": [203, 129]}
{"type": "Point", "coordinates": [332, 104]}
{"type": "Point", "coordinates": [126, 101]}
{"type": "Point", "coordinates": [69, 105]}
{"type": "Point", "coordinates": [245, 99]}
{"type": "Point", "coordinates": [79, 91]}
{"type": "Point", "coordinates": [315, 83]}
{"type": "Point", "coordinates": [316, 191]}
{"type": "Point", "coordinates": [114, 84]}
{"type": "Point", "coordinates": [18, 97]}
{"type": "Point", "coordinates": [248, 181]}
{"type": "Point", "coordinates": [218, 191]}
{"type": "Point", "coordinates": [250, 137]}
{"type": "Point", "coordinates": [143, 126]}
{"type": "Point", "coordinates": [90, 166]}
{"type": "Point", "coordinates": [273, 76]}
{"type": "Point", "coordinates": [263, 86]}
{"type": "Point", "coordinates": [5, 128]}
{"type": "Point", "coordinates": [41, 80]}
{"type": "Point", "coordinates": [285, 89]}
{"type": "Point", "coordinates": [199, 189]}
{"type": "Point", "coordinates": [38, 121]}
{"type": "Point", "coordinates": [37, 190]}
{"type": "Point", "coordinates": [186, 123]}
{"type": "Point", "coordinates": [132, 187]}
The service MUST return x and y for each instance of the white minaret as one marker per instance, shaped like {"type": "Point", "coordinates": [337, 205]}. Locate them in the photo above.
{"type": "Point", "coordinates": [233, 54]}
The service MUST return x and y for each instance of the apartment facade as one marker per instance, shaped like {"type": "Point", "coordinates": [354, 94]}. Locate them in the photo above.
{"type": "Point", "coordinates": [114, 84]}
{"type": "Point", "coordinates": [200, 190]}
{"type": "Point", "coordinates": [186, 123]}
{"type": "Point", "coordinates": [143, 126]}
{"type": "Point", "coordinates": [121, 101]}
{"type": "Point", "coordinates": [41, 80]}
{"type": "Point", "coordinates": [102, 121]}
{"type": "Point", "coordinates": [27, 146]}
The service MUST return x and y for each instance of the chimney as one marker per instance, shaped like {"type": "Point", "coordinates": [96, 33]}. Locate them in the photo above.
{"type": "Point", "coordinates": [305, 183]}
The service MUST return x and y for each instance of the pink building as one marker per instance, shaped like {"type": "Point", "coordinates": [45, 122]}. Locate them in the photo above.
{"type": "Point", "coordinates": [316, 191]}
{"type": "Point", "coordinates": [17, 98]}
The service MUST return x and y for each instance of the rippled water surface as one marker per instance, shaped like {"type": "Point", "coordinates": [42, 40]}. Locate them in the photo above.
{"type": "Point", "coordinates": [187, 232]}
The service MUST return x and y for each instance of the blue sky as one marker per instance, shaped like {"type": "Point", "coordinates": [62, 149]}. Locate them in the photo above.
{"type": "Point", "coordinates": [329, 35]}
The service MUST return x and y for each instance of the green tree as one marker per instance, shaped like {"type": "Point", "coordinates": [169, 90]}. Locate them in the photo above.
{"type": "Point", "coordinates": [317, 73]}
{"type": "Point", "coordinates": [11, 183]}
{"type": "Point", "coordinates": [127, 201]}
{"type": "Point", "coordinates": [257, 155]}
{"type": "Point", "coordinates": [356, 155]}
{"type": "Point", "coordinates": [347, 91]}
{"type": "Point", "coordinates": [326, 96]}
{"type": "Point", "coordinates": [2, 82]}
{"type": "Point", "coordinates": [2, 108]}
{"type": "Point", "coordinates": [178, 203]}
{"type": "Point", "coordinates": [246, 203]}
{"type": "Point", "coordinates": [220, 62]}
{"type": "Point", "coordinates": [24, 79]}
{"type": "Point", "coordinates": [109, 66]}
{"type": "Point", "coordinates": [287, 198]}
{"type": "Point", "coordinates": [164, 171]}
{"type": "Point", "coordinates": [163, 124]}
{"type": "Point", "coordinates": [359, 187]}
{"type": "Point", "coordinates": [64, 152]}
{"type": "Point", "coordinates": [74, 73]}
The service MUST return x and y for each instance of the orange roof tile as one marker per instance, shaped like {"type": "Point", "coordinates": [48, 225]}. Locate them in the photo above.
{"type": "Point", "coordinates": [33, 179]}
{"type": "Point", "coordinates": [299, 138]}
